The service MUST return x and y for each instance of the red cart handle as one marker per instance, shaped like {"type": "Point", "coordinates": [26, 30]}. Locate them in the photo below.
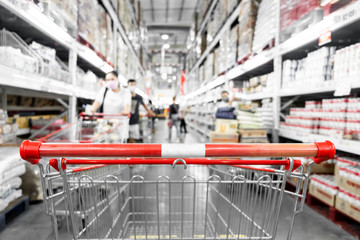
{"type": "Point", "coordinates": [83, 114]}
{"type": "Point", "coordinates": [32, 151]}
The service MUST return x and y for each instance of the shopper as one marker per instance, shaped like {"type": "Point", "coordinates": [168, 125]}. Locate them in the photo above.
{"type": "Point", "coordinates": [225, 101]}
{"type": "Point", "coordinates": [152, 119]}
{"type": "Point", "coordinates": [183, 112]}
{"type": "Point", "coordinates": [136, 100]}
{"type": "Point", "coordinates": [225, 109]}
{"type": "Point", "coordinates": [174, 119]}
{"type": "Point", "coordinates": [112, 99]}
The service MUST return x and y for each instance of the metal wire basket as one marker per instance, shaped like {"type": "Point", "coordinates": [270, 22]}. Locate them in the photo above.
{"type": "Point", "coordinates": [140, 196]}
{"type": "Point", "coordinates": [14, 52]}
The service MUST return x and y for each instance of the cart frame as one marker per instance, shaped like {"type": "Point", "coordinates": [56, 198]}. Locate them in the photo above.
{"type": "Point", "coordinates": [172, 224]}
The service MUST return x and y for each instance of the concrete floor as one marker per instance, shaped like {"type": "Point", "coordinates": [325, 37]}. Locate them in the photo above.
{"type": "Point", "coordinates": [35, 224]}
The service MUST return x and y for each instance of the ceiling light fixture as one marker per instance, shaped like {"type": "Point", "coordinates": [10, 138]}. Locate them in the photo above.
{"type": "Point", "coordinates": [174, 78]}
{"type": "Point", "coordinates": [169, 80]}
{"type": "Point", "coordinates": [166, 46]}
{"type": "Point", "coordinates": [164, 37]}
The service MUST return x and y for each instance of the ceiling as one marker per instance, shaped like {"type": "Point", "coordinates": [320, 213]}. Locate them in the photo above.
{"type": "Point", "coordinates": [171, 17]}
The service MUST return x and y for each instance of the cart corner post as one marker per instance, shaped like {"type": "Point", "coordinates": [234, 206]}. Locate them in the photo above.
{"type": "Point", "coordinates": [29, 151]}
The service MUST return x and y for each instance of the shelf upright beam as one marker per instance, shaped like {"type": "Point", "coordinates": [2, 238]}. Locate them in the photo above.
{"type": "Point", "coordinates": [277, 71]}
{"type": "Point", "coordinates": [3, 99]}
{"type": "Point", "coordinates": [72, 99]}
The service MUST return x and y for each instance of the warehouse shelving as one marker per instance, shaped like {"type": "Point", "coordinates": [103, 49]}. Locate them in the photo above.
{"type": "Point", "coordinates": [324, 89]}
{"type": "Point", "coordinates": [335, 21]}
{"type": "Point", "coordinates": [121, 29]}
{"type": "Point", "coordinates": [302, 41]}
{"type": "Point", "coordinates": [47, 30]}
{"type": "Point", "coordinates": [234, 15]}
{"type": "Point", "coordinates": [340, 144]}
{"type": "Point", "coordinates": [204, 21]}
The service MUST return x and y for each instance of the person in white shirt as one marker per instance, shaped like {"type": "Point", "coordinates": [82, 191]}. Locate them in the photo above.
{"type": "Point", "coordinates": [112, 99]}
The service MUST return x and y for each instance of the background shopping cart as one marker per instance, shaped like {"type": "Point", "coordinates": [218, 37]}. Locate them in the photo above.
{"type": "Point", "coordinates": [157, 200]}
{"type": "Point", "coordinates": [97, 128]}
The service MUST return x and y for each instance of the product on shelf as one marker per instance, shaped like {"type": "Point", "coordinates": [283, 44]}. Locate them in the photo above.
{"type": "Point", "coordinates": [265, 113]}
{"type": "Point", "coordinates": [265, 27]}
{"type": "Point", "coordinates": [349, 178]}
{"type": "Point", "coordinates": [8, 130]}
{"type": "Point", "coordinates": [259, 84]}
{"type": "Point", "coordinates": [347, 64]}
{"type": "Point", "coordinates": [324, 188]}
{"type": "Point", "coordinates": [313, 71]}
{"type": "Point", "coordinates": [232, 46]}
{"type": "Point", "coordinates": [11, 167]}
{"type": "Point", "coordinates": [342, 161]}
{"type": "Point", "coordinates": [226, 126]}
{"type": "Point", "coordinates": [247, 18]}
{"type": "Point", "coordinates": [218, 137]}
{"type": "Point", "coordinates": [87, 80]}
{"type": "Point", "coordinates": [14, 52]}
{"type": "Point", "coordinates": [298, 15]}
{"type": "Point", "coordinates": [51, 66]}
{"type": "Point", "coordinates": [88, 24]}
{"type": "Point", "coordinates": [348, 203]}
{"type": "Point", "coordinates": [63, 12]}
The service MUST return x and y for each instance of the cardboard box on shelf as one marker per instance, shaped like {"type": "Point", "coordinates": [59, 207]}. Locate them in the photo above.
{"type": "Point", "coordinates": [219, 137]}
{"type": "Point", "coordinates": [349, 179]}
{"type": "Point", "coordinates": [12, 100]}
{"type": "Point", "coordinates": [254, 140]}
{"type": "Point", "coordinates": [251, 133]}
{"type": "Point", "coordinates": [324, 188]}
{"type": "Point", "coordinates": [226, 126]}
{"type": "Point", "coordinates": [26, 101]}
{"type": "Point", "coordinates": [324, 168]}
{"type": "Point", "coordinates": [349, 204]}
{"type": "Point", "coordinates": [342, 161]}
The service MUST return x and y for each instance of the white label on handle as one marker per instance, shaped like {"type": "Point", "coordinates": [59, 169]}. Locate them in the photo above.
{"type": "Point", "coordinates": [183, 150]}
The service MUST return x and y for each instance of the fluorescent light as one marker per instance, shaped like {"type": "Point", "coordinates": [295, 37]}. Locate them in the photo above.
{"type": "Point", "coordinates": [166, 46]}
{"type": "Point", "coordinates": [164, 76]}
{"type": "Point", "coordinates": [164, 37]}
{"type": "Point", "coordinates": [169, 80]}
{"type": "Point", "coordinates": [174, 78]}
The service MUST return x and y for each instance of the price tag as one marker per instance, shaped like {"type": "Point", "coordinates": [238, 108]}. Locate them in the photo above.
{"type": "Point", "coordinates": [325, 38]}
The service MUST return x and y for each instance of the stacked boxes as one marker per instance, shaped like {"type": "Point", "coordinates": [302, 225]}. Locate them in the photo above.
{"type": "Point", "coordinates": [88, 25]}
{"type": "Point", "coordinates": [225, 131]}
{"type": "Point", "coordinates": [324, 188]}
{"type": "Point", "coordinates": [247, 18]}
{"type": "Point", "coordinates": [232, 46]}
{"type": "Point", "coordinates": [297, 15]}
{"type": "Point", "coordinates": [347, 64]}
{"type": "Point", "coordinates": [63, 12]}
{"type": "Point", "coordinates": [265, 113]}
{"type": "Point", "coordinates": [348, 199]}
{"type": "Point", "coordinates": [7, 130]}
{"type": "Point", "coordinates": [313, 71]}
{"type": "Point", "coordinates": [259, 84]}
{"type": "Point", "coordinates": [223, 52]}
{"type": "Point", "coordinates": [265, 25]}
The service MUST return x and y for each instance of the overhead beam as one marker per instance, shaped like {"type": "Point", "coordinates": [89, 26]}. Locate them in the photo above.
{"type": "Point", "coordinates": [181, 9]}
{"type": "Point", "coordinates": [167, 11]}
{"type": "Point", "coordinates": [152, 10]}
{"type": "Point", "coordinates": [168, 27]}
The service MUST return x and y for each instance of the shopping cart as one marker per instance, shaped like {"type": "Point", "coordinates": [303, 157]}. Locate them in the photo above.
{"type": "Point", "coordinates": [95, 128]}
{"type": "Point", "coordinates": [137, 192]}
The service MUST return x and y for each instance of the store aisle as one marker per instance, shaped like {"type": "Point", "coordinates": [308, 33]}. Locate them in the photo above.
{"type": "Point", "coordinates": [35, 224]}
